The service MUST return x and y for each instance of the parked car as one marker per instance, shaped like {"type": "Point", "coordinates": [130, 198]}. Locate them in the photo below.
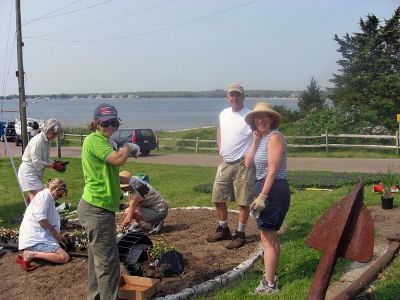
{"type": "Point", "coordinates": [144, 138]}
{"type": "Point", "coordinates": [34, 126]}
{"type": "Point", "coordinates": [9, 131]}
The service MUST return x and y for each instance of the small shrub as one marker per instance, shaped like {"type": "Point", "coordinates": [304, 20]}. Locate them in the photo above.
{"type": "Point", "coordinates": [203, 188]}
{"type": "Point", "coordinates": [159, 248]}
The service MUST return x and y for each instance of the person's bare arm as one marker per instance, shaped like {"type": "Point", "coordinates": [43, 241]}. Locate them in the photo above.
{"type": "Point", "coordinates": [133, 202]}
{"type": "Point", "coordinates": [57, 234]}
{"type": "Point", "coordinates": [249, 159]}
{"type": "Point", "coordinates": [219, 142]}
{"type": "Point", "coordinates": [119, 158]}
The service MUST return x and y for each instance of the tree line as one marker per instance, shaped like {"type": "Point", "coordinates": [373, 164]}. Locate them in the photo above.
{"type": "Point", "coordinates": [365, 98]}
{"type": "Point", "coordinates": [167, 94]}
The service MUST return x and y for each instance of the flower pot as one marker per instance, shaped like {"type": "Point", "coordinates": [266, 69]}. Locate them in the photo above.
{"type": "Point", "coordinates": [387, 203]}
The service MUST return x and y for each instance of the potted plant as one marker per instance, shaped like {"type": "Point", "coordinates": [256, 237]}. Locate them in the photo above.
{"type": "Point", "coordinates": [388, 188]}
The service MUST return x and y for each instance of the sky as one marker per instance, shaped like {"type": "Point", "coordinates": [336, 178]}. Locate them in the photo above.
{"type": "Point", "coordinates": [100, 46]}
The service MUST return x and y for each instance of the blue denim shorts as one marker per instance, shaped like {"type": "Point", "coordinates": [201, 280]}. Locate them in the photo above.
{"type": "Point", "coordinates": [42, 247]}
{"type": "Point", "coordinates": [276, 205]}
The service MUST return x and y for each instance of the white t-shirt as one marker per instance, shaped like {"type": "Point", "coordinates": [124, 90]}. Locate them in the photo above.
{"type": "Point", "coordinates": [235, 134]}
{"type": "Point", "coordinates": [31, 232]}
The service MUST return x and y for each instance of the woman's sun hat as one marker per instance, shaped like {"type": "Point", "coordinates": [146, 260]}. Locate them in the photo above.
{"type": "Point", "coordinates": [264, 107]}
{"type": "Point", "coordinates": [124, 177]}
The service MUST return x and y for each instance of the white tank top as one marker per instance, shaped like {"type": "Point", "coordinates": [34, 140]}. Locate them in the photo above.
{"type": "Point", "coordinates": [235, 134]}
{"type": "Point", "coordinates": [261, 158]}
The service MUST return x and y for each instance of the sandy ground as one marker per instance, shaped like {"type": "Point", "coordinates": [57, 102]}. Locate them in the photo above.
{"type": "Point", "coordinates": [186, 229]}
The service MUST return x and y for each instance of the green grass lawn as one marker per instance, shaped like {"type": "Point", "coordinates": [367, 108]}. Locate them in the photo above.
{"type": "Point", "coordinates": [298, 262]}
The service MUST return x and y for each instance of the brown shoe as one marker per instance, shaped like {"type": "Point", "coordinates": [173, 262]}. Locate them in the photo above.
{"type": "Point", "coordinates": [221, 233]}
{"type": "Point", "coordinates": [238, 240]}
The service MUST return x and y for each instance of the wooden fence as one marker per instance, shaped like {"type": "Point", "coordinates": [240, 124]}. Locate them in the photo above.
{"type": "Point", "coordinates": [324, 141]}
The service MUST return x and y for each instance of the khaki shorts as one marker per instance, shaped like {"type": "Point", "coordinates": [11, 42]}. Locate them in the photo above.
{"type": "Point", "coordinates": [234, 182]}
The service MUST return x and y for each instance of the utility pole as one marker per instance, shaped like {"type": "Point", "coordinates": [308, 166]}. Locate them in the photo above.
{"type": "Point", "coordinates": [20, 74]}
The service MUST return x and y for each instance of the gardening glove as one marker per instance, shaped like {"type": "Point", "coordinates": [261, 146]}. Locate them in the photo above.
{"type": "Point", "coordinates": [134, 150]}
{"type": "Point", "coordinates": [60, 166]}
{"type": "Point", "coordinates": [258, 205]}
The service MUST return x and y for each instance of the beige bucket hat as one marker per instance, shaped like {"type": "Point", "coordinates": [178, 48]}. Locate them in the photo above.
{"type": "Point", "coordinates": [124, 177]}
{"type": "Point", "coordinates": [236, 87]}
{"type": "Point", "coordinates": [264, 107]}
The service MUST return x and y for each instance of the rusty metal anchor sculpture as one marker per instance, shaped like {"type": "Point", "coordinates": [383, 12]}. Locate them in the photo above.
{"type": "Point", "coordinates": [345, 230]}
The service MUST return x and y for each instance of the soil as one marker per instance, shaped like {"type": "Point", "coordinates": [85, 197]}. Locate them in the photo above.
{"type": "Point", "coordinates": [186, 229]}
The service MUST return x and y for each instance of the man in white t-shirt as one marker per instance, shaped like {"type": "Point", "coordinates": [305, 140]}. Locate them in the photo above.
{"type": "Point", "coordinates": [234, 181]}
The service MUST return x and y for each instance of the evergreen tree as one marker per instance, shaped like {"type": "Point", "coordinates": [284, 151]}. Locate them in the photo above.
{"type": "Point", "coordinates": [370, 68]}
{"type": "Point", "coordinates": [311, 98]}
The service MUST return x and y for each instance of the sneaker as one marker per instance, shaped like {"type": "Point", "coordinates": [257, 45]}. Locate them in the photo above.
{"type": "Point", "coordinates": [238, 240]}
{"type": "Point", "coordinates": [135, 227]}
{"type": "Point", "coordinates": [276, 279]}
{"type": "Point", "coordinates": [264, 288]}
{"type": "Point", "coordinates": [156, 227]}
{"type": "Point", "coordinates": [221, 233]}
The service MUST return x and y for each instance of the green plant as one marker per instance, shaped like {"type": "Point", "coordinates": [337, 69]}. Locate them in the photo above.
{"type": "Point", "coordinates": [389, 183]}
{"type": "Point", "coordinates": [203, 188]}
{"type": "Point", "coordinates": [159, 248]}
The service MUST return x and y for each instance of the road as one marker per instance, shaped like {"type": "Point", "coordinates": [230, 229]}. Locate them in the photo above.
{"type": "Point", "coordinates": [316, 164]}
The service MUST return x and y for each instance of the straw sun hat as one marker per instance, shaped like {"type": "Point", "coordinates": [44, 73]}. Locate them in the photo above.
{"type": "Point", "coordinates": [124, 177]}
{"type": "Point", "coordinates": [264, 107]}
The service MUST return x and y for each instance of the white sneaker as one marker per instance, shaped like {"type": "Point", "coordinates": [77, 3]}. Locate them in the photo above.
{"type": "Point", "coordinates": [156, 227]}
{"type": "Point", "coordinates": [135, 227]}
{"type": "Point", "coordinates": [264, 288]}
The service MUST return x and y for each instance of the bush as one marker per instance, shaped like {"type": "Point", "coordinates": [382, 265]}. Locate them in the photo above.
{"type": "Point", "coordinates": [339, 119]}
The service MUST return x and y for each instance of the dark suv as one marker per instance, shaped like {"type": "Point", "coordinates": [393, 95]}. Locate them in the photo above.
{"type": "Point", "coordinates": [144, 138]}
{"type": "Point", "coordinates": [9, 131]}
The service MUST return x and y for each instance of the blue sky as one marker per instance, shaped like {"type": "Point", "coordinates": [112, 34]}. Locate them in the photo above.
{"type": "Point", "coordinates": [87, 46]}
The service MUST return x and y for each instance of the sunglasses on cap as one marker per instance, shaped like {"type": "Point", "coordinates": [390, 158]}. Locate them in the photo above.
{"type": "Point", "coordinates": [113, 122]}
{"type": "Point", "coordinates": [235, 93]}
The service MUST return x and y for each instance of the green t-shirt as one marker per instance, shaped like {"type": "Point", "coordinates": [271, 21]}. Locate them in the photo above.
{"type": "Point", "coordinates": [101, 178]}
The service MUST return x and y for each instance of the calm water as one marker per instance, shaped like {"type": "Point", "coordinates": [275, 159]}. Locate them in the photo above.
{"type": "Point", "coordinates": [156, 113]}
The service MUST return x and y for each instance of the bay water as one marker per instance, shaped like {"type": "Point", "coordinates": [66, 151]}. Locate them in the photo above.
{"type": "Point", "coordinates": [155, 113]}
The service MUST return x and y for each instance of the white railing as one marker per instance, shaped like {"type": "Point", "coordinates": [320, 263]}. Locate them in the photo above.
{"type": "Point", "coordinates": [323, 141]}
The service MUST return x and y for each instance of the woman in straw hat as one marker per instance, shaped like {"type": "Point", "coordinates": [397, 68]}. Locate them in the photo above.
{"type": "Point", "coordinates": [269, 154]}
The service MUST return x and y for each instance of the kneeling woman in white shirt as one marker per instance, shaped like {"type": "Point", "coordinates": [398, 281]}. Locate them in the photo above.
{"type": "Point", "coordinates": [39, 234]}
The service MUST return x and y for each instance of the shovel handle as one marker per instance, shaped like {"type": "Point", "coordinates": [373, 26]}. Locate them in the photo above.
{"type": "Point", "coordinates": [322, 276]}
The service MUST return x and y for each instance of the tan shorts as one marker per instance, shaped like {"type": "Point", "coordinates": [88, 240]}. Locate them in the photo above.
{"type": "Point", "coordinates": [234, 182]}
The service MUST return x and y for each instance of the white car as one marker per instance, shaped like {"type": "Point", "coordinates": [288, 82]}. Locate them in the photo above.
{"type": "Point", "coordinates": [34, 126]}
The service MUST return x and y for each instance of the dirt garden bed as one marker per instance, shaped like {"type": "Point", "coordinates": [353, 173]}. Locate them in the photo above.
{"type": "Point", "coordinates": [186, 229]}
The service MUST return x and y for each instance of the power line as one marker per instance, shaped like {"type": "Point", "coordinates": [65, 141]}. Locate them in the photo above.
{"type": "Point", "coordinates": [78, 10]}
{"type": "Point", "coordinates": [50, 13]}
{"type": "Point", "coordinates": [151, 31]}
{"type": "Point", "coordinates": [108, 20]}
{"type": "Point", "coordinates": [6, 73]}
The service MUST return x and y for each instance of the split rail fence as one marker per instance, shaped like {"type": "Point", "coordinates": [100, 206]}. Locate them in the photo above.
{"type": "Point", "coordinates": [324, 141]}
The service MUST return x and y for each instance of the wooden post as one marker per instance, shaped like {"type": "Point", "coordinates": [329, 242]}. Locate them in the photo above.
{"type": "Point", "coordinates": [158, 146]}
{"type": "Point", "coordinates": [326, 141]}
{"type": "Point", "coordinates": [20, 74]}
{"type": "Point", "coordinates": [58, 145]}
{"type": "Point", "coordinates": [397, 141]}
{"type": "Point", "coordinates": [197, 145]}
{"type": "Point", "coordinates": [81, 139]}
